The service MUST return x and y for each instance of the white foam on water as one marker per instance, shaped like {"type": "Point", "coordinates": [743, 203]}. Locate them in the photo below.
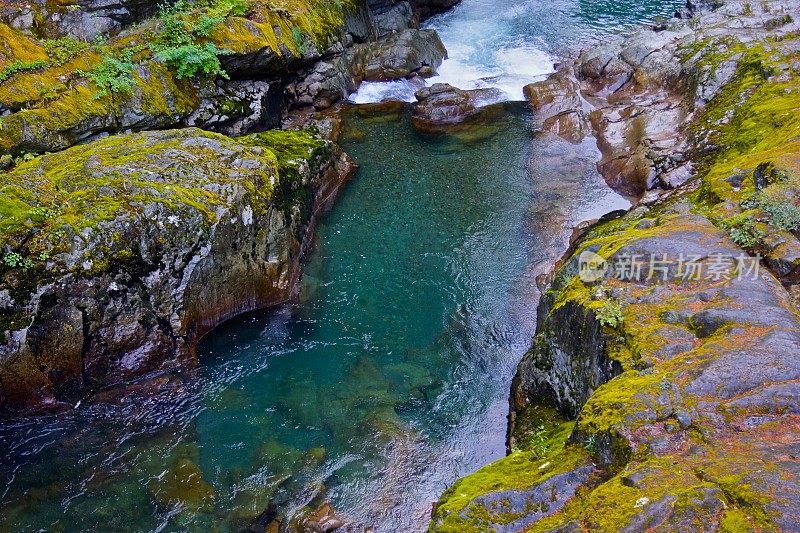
{"type": "Point", "coordinates": [509, 70]}
{"type": "Point", "coordinates": [486, 49]}
{"type": "Point", "coordinates": [372, 92]}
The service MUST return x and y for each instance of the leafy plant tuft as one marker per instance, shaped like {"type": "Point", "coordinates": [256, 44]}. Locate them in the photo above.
{"type": "Point", "coordinates": [180, 43]}
{"type": "Point", "coordinates": [610, 315]}
{"type": "Point", "coordinates": [113, 75]}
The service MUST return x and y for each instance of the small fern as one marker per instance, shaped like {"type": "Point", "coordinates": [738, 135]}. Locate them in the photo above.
{"type": "Point", "coordinates": [181, 43]}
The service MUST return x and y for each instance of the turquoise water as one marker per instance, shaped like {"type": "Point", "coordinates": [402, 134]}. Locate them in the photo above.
{"type": "Point", "coordinates": [382, 384]}
{"type": "Point", "coordinates": [387, 379]}
{"type": "Point", "coordinates": [509, 44]}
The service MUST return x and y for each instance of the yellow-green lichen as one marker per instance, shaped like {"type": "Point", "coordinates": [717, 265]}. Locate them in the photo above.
{"type": "Point", "coordinates": [755, 120]}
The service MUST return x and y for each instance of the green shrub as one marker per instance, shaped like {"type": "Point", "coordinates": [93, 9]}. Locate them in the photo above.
{"type": "Point", "coordinates": [778, 204]}
{"type": "Point", "coordinates": [62, 50]}
{"type": "Point", "coordinates": [190, 59]}
{"type": "Point", "coordinates": [12, 259]}
{"type": "Point", "coordinates": [782, 215]}
{"type": "Point", "coordinates": [179, 43]}
{"type": "Point", "coordinates": [21, 66]}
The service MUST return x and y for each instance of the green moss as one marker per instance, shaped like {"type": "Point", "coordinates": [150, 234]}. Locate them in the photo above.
{"type": "Point", "coordinates": [49, 201]}
{"type": "Point", "coordinates": [519, 470]}
{"type": "Point", "coordinates": [51, 198]}
{"type": "Point", "coordinates": [15, 46]}
{"type": "Point", "coordinates": [736, 521]}
{"type": "Point", "coordinates": [754, 121]}
{"type": "Point", "coordinates": [737, 490]}
{"type": "Point", "coordinates": [709, 53]}
{"type": "Point", "coordinates": [628, 393]}
{"type": "Point", "coordinates": [48, 91]}
{"type": "Point", "coordinates": [295, 151]}
{"type": "Point", "coordinates": [613, 504]}
{"type": "Point", "coordinates": [533, 425]}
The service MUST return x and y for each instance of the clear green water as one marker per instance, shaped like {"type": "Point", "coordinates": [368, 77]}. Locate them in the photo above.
{"type": "Point", "coordinates": [387, 379]}
{"type": "Point", "coordinates": [382, 384]}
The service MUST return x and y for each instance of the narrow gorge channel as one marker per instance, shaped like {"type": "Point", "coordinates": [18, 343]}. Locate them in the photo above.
{"type": "Point", "coordinates": [388, 378]}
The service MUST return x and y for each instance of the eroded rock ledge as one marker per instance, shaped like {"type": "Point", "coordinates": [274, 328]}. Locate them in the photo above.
{"type": "Point", "coordinates": [666, 402]}
{"type": "Point", "coordinates": [127, 250]}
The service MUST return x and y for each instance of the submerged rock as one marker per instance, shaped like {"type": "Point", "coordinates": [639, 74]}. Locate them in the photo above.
{"type": "Point", "coordinates": [133, 247]}
{"type": "Point", "coordinates": [323, 520]}
{"type": "Point", "coordinates": [182, 485]}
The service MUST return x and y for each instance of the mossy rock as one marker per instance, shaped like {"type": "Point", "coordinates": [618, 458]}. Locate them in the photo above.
{"type": "Point", "coordinates": [91, 236]}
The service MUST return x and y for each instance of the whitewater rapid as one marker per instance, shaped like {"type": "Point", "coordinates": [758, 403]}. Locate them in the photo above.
{"type": "Point", "coordinates": [484, 51]}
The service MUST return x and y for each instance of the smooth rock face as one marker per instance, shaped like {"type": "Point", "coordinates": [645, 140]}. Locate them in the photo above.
{"type": "Point", "coordinates": [187, 230]}
{"type": "Point", "coordinates": [633, 98]}
{"type": "Point", "coordinates": [558, 106]}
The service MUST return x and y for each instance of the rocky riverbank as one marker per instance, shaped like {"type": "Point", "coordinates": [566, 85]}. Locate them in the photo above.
{"type": "Point", "coordinates": [121, 249]}
{"type": "Point", "coordinates": [661, 388]}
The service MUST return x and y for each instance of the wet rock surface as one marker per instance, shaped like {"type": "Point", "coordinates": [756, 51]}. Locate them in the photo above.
{"type": "Point", "coordinates": [441, 107]}
{"type": "Point", "coordinates": [395, 57]}
{"type": "Point", "coordinates": [638, 96]}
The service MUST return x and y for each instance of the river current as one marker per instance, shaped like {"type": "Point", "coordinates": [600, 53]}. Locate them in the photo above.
{"type": "Point", "coordinates": [388, 377]}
